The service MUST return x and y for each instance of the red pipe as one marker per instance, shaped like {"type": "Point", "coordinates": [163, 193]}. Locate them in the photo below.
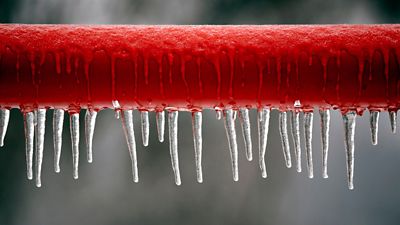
{"type": "Point", "coordinates": [193, 67]}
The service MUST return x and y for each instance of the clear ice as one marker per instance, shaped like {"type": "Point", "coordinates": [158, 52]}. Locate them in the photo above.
{"type": "Point", "coordinates": [231, 134]}
{"type": "Point", "coordinates": [144, 115]}
{"type": "Point", "coordinates": [160, 119]}
{"type": "Point", "coordinates": [308, 125]}
{"type": "Point", "coordinates": [127, 125]}
{"type": "Point", "coordinates": [245, 122]}
{"type": "Point", "coordinates": [393, 120]}
{"type": "Point", "coordinates": [349, 121]}
{"type": "Point", "coordinates": [90, 123]}
{"type": "Point", "coordinates": [173, 144]}
{"type": "Point", "coordinates": [29, 127]}
{"type": "Point", "coordinates": [373, 120]}
{"type": "Point", "coordinates": [295, 128]}
{"type": "Point", "coordinates": [325, 120]}
{"type": "Point", "coordinates": [58, 121]}
{"type": "Point", "coordinates": [284, 138]}
{"type": "Point", "coordinates": [4, 118]}
{"type": "Point", "coordinates": [74, 129]}
{"type": "Point", "coordinates": [263, 127]}
{"type": "Point", "coordinates": [40, 129]}
{"type": "Point", "coordinates": [198, 141]}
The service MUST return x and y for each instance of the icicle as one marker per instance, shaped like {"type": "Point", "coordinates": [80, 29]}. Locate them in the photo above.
{"type": "Point", "coordinates": [325, 119]}
{"type": "Point", "coordinates": [29, 135]}
{"type": "Point", "coordinates": [74, 129]}
{"type": "Point", "coordinates": [117, 108]}
{"type": "Point", "coordinates": [4, 118]}
{"type": "Point", "coordinates": [219, 114]}
{"type": "Point", "coordinates": [90, 123]}
{"type": "Point", "coordinates": [263, 127]}
{"type": "Point", "coordinates": [393, 120]}
{"type": "Point", "coordinates": [285, 138]}
{"type": "Point", "coordinates": [295, 127]}
{"type": "Point", "coordinates": [373, 120]}
{"type": "Point", "coordinates": [127, 125]}
{"type": "Point", "coordinates": [40, 129]}
{"type": "Point", "coordinates": [145, 127]}
{"type": "Point", "coordinates": [245, 122]}
{"type": "Point", "coordinates": [308, 123]}
{"type": "Point", "coordinates": [234, 114]}
{"type": "Point", "coordinates": [160, 118]}
{"type": "Point", "coordinates": [231, 134]}
{"type": "Point", "coordinates": [58, 121]}
{"type": "Point", "coordinates": [173, 144]}
{"type": "Point", "coordinates": [197, 137]}
{"type": "Point", "coordinates": [349, 120]}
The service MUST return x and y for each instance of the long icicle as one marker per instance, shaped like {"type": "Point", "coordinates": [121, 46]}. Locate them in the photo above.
{"type": "Point", "coordinates": [198, 148]}
{"type": "Point", "coordinates": [245, 122]}
{"type": "Point", "coordinates": [373, 120]}
{"type": "Point", "coordinates": [231, 134]}
{"type": "Point", "coordinates": [284, 138]}
{"type": "Point", "coordinates": [4, 118]}
{"type": "Point", "coordinates": [295, 127]}
{"type": "Point", "coordinates": [160, 119]}
{"type": "Point", "coordinates": [29, 127]}
{"type": "Point", "coordinates": [263, 127]}
{"type": "Point", "coordinates": [90, 123]}
{"type": "Point", "coordinates": [173, 144]}
{"type": "Point", "coordinates": [308, 125]}
{"type": "Point", "coordinates": [40, 129]}
{"type": "Point", "coordinates": [349, 120]}
{"type": "Point", "coordinates": [58, 121]}
{"type": "Point", "coordinates": [325, 120]}
{"type": "Point", "coordinates": [144, 115]}
{"type": "Point", "coordinates": [393, 120]}
{"type": "Point", "coordinates": [127, 125]}
{"type": "Point", "coordinates": [74, 129]}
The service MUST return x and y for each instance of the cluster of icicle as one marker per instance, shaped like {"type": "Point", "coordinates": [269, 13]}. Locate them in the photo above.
{"type": "Point", "coordinates": [34, 123]}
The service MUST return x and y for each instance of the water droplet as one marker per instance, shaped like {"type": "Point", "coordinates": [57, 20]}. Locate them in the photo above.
{"type": "Point", "coordinates": [74, 129]}
{"type": "Point", "coordinates": [308, 125]}
{"type": "Point", "coordinates": [393, 120]}
{"type": "Point", "coordinates": [58, 121]}
{"type": "Point", "coordinates": [144, 115]}
{"type": "Point", "coordinates": [349, 120]}
{"type": "Point", "coordinates": [373, 120]}
{"type": "Point", "coordinates": [231, 134]}
{"type": "Point", "coordinates": [90, 123]}
{"type": "Point", "coordinates": [245, 122]}
{"type": "Point", "coordinates": [295, 127]}
{"type": "Point", "coordinates": [173, 144]}
{"type": "Point", "coordinates": [29, 135]}
{"type": "Point", "coordinates": [325, 120]}
{"type": "Point", "coordinates": [263, 127]}
{"type": "Point", "coordinates": [284, 138]}
{"type": "Point", "coordinates": [197, 138]}
{"type": "Point", "coordinates": [127, 125]}
{"type": "Point", "coordinates": [160, 118]}
{"type": "Point", "coordinates": [40, 129]}
{"type": "Point", "coordinates": [4, 118]}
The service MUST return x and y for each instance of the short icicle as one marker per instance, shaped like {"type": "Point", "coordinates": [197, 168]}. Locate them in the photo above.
{"type": "Point", "coordinates": [90, 123]}
{"type": "Point", "coordinates": [173, 144]}
{"type": "Point", "coordinates": [40, 129]}
{"type": "Point", "coordinates": [198, 141]}
{"type": "Point", "coordinates": [373, 120]}
{"type": "Point", "coordinates": [160, 119]}
{"type": "Point", "coordinates": [231, 134]}
{"type": "Point", "coordinates": [308, 125]}
{"type": "Point", "coordinates": [349, 120]}
{"type": "Point", "coordinates": [144, 115]}
{"type": "Point", "coordinates": [29, 126]}
{"type": "Point", "coordinates": [74, 129]}
{"type": "Point", "coordinates": [117, 108]}
{"type": "Point", "coordinates": [58, 121]}
{"type": "Point", "coordinates": [295, 128]}
{"type": "Point", "coordinates": [4, 118]}
{"type": "Point", "coordinates": [245, 122]}
{"type": "Point", "coordinates": [325, 120]}
{"type": "Point", "coordinates": [393, 120]}
{"type": "Point", "coordinates": [127, 125]}
{"type": "Point", "coordinates": [263, 127]}
{"type": "Point", "coordinates": [284, 138]}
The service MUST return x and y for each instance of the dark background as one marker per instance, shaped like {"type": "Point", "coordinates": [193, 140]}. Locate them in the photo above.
{"type": "Point", "coordinates": [105, 193]}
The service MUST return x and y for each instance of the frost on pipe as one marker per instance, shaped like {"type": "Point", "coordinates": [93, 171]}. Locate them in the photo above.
{"type": "Point", "coordinates": [292, 69]}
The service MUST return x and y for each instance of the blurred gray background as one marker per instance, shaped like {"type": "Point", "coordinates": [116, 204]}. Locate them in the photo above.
{"type": "Point", "coordinates": [105, 193]}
